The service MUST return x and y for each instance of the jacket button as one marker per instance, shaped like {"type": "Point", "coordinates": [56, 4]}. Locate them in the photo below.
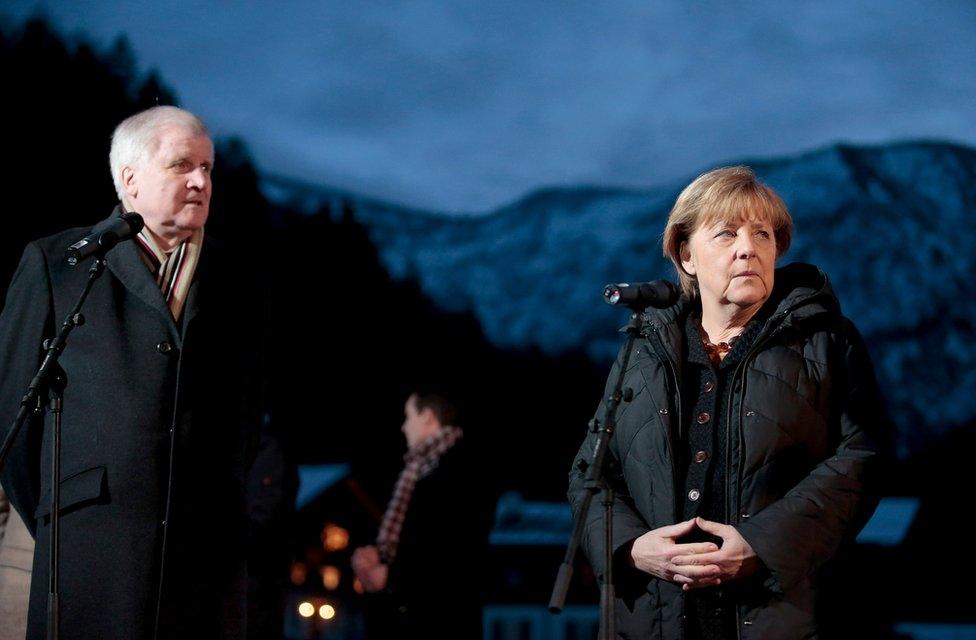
{"type": "Point", "coordinates": [709, 386]}
{"type": "Point", "coordinates": [744, 516]}
{"type": "Point", "coordinates": [703, 417]}
{"type": "Point", "coordinates": [164, 347]}
{"type": "Point", "coordinates": [663, 412]}
{"type": "Point", "coordinates": [694, 494]}
{"type": "Point", "coordinates": [701, 456]}
{"type": "Point", "coordinates": [749, 414]}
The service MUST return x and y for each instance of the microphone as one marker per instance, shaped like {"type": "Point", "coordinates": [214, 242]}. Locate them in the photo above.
{"type": "Point", "coordinates": [104, 236]}
{"type": "Point", "coordinates": [659, 294]}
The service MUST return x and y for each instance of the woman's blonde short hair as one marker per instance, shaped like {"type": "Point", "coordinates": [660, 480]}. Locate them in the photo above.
{"type": "Point", "coordinates": [726, 194]}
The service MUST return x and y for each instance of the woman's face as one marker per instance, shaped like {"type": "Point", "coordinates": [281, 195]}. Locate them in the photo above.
{"type": "Point", "coordinates": [733, 261]}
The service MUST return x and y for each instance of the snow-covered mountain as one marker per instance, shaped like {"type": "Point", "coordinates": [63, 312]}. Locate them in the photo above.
{"type": "Point", "coordinates": [893, 226]}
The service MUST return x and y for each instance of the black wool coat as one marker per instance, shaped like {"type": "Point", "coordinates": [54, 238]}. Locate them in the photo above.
{"type": "Point", "coordinates": [437, 581]}
{"type": "Point", "coordinates": [803, 416]}
{"type": "Point", "coordinates": [156, 430]}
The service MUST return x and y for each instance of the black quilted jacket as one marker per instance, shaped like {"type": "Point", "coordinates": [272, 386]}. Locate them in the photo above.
{"type": "Point", "coordinates": [804, 418]}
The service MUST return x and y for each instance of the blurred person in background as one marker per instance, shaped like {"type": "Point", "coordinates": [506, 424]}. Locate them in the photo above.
{"type": "Point", "coordinates": [16, 553]}
{"type": "Point", "coordinates": [424, 577]}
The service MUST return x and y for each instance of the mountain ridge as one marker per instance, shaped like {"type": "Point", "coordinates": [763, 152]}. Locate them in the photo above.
{"type": "Point", "coordinates": [886, 222]}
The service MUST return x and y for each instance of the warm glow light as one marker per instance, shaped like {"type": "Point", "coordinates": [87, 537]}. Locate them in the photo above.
{"type": "Point", "coordinates": [334, 538]}
{"type": "Point", "coordinates": [331, 577]}
{"type": "Point", "coordinates": [327, 612]}
{"type": "Point", "coordinates": [357, 586]}
{"type": "Point", "coordinates": [306, 609]}
{"type": "Point", "coordinates": [298, 572]}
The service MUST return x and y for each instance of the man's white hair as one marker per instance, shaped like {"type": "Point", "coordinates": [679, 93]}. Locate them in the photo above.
{"type": "Point", "coordinates": [137, 137]}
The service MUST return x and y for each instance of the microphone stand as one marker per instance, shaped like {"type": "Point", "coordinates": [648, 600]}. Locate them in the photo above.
{"type": "Point", "coordinates": [56, 386]}
{"type": "Point", "coordinates": [50, 382]}
{"type": "Point", "coordinates": [596, 481]}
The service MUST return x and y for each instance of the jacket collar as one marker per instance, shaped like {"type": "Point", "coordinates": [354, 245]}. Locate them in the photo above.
{"type": "Point", "coordinates": [128, 266]}
{"type": "Point", "coordinates": [802, 291]}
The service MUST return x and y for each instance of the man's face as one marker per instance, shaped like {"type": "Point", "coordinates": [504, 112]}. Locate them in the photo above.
{"type": "Point", "coordinates": [417, 426]}
{"type": "Point", "coordinates": [171, 187]}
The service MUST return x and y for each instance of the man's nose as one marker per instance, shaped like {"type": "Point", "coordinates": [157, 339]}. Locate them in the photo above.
{"type": "Point", "coordinates": [198, 178]}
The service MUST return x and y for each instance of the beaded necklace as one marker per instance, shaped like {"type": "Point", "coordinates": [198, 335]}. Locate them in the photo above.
{"type": "Point", "coordinates": [715, 351]}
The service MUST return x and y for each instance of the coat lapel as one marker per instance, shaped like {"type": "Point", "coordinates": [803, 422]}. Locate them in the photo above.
{"type": "Point", "coordinates": [126, 264]}
{"type": "Point", "coordinates": [192, 306]}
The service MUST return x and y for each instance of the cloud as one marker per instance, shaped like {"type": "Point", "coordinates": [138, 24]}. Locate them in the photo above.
{"type": "Point", "coordinates": [468, 105]}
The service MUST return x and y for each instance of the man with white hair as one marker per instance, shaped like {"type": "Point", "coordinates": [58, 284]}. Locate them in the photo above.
{"type": "Point", "coordinates": [157, 411]}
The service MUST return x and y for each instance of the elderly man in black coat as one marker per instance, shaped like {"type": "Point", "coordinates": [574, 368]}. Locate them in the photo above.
{"type": "Point", "coordinates": [156, 419]}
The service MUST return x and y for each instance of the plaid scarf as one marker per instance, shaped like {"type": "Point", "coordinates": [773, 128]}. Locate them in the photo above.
{"type": "Point", "coordinates": [173, 271]}
{"type": "Point", "coordinates": [420, 461]}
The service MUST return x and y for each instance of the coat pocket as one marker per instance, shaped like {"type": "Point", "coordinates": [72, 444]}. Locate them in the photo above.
{"type": "Point", "coordinates": [78, 489]}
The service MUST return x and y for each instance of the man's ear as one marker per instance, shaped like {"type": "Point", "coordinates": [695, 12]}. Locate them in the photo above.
{"type": "Point", "coordinates": [129, 183]}
{"type": "Point", "coordinates": [686, 261]}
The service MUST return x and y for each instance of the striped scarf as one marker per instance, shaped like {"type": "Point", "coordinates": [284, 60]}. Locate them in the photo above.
{"type": "Point", "coordinates": [420, 461]}
{"type": "Point", "coordinates": [173, 271]}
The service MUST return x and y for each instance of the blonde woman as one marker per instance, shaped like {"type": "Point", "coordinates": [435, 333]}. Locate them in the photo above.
{"type": "Point", "coordinates": [744, 459]}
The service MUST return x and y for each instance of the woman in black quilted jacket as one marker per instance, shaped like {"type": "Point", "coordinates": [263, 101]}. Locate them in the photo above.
{"type": "Point", "coordinates": [745, 457]}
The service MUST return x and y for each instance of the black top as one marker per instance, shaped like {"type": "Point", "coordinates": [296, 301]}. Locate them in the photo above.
{"type": "Point", "coordinates": [703, 460]}
{"type": "Point", "coordinates": [436, 584]}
